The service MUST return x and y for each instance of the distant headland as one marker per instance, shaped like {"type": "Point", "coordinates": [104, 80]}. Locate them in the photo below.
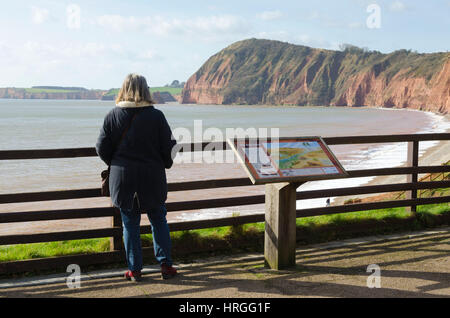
{"type": "Point", "coordinates": [161, 95]}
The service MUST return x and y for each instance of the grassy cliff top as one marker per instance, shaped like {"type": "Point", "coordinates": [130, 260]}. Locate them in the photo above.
{"type": "Point", "coordinates": [171, 90]}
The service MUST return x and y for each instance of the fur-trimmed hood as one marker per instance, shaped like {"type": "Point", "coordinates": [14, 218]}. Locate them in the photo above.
{"type": "Point", "coordinates": [125, 104]}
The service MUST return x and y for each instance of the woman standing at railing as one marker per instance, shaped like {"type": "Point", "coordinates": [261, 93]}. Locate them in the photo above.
{"type": "Point", "coordinates": [136, 143]}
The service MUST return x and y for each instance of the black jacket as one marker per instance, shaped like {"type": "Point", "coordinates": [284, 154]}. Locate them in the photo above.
{"type": "Point", "coordinates": [138, 164]}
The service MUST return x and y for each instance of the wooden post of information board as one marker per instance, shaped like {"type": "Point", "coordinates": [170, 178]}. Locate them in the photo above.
{"type": "Point", "coordinates": [280, 236]}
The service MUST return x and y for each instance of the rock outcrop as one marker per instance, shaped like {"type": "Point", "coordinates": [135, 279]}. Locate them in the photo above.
{"type": "Point", "coordinates": [272, 72]}
{"type": "Point", "coordinates": [163, 97]}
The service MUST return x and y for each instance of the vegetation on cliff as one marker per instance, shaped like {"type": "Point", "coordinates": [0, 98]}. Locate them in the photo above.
{"type": "Point", "coordinates": [51, 92]}
{"type": "Point", "coordinates": [161, 95]}
{"type": "Point", "coordinates": [271, 72]}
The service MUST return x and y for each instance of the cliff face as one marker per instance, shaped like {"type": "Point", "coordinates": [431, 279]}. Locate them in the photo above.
{"type": "Point", "coordinates": [272, 72]}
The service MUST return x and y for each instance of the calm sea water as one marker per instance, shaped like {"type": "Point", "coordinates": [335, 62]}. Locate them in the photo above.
{"type": "Point", "coordinates": [46, 124]}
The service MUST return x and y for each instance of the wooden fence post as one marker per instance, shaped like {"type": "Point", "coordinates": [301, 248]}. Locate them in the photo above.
{"type": "Point", "coordinates": [412, 161]}
{"type": "Point", "coordinates": [280, 227]}
{"type": "Point", "coordinates": [116, 242]}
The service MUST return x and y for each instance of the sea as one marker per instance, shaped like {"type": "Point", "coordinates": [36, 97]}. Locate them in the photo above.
{"type": "Point", "coordinates": [54, 124]}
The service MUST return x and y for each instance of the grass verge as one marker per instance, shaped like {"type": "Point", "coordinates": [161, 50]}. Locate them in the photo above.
{"type": "Point", "coordinates": [250, 237]}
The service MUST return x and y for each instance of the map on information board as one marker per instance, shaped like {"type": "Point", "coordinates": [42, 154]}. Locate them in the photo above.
{"type": "Point", "coordinates": [293, 159]}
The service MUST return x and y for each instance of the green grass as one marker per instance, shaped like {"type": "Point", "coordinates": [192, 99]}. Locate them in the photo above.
{"type": "Point", "coordinates": [113, 91]}
{"type": "Point", "coordinates": [236, 238]}
{"type": "Point", "coordinates": [48, 90]}
{"type": "Point", "coordinates": [39, 250]}
{"type": "Point", "coordinates": [171, 90]}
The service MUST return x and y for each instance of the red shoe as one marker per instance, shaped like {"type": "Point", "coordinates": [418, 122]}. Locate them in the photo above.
{"type": "Point", "coordinates": [134, 276]}
{"type": "Point", "coordinates": [167, 271]}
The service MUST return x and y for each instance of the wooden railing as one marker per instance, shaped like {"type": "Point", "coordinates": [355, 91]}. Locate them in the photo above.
{"type": "Point", "coordinates": [115, 231]}
{"type": "Point", "coordinates": [442, 176]}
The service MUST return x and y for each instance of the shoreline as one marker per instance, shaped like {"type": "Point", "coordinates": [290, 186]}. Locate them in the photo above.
{"type": "Point", "coordinates": [312, 106]}
{"type": "Point", "coordinates": [432, 156]}
{"type": "Point", "coordinates": [243, 105]}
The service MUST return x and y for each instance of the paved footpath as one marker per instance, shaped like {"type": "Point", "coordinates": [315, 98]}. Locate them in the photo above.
{"type": "Point", "coordinates": [410, 265]}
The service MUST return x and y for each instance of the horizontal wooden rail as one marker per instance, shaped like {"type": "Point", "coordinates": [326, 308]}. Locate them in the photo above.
{"type": "Point", "coordinates": [221, 145]}
{"type": "Point", "coordinates": [47, 153]}
{"type": "Point", "coordinates": [49, 215]}
{"type": "Point", "coordinates": [312, 194]}
{"type": "Point", "coordinates": [396, 171]}
{"type": "Point", "coordinates": [111, 231]}
{"type": "Point", "coordinates": [201, 185]}
{"type": "Point", "coordinates": [208, 184]}
{"type": "Point", "coordinates": [214, 203]}
{"type": "Point", "coordinates": [49, 195]}
{"type": "Point", "coordinates": [63, 261]}
{"type": "Point", "coordinates": [369, 206]}
{"type": "Point", "coordinates": [59, 236]}
{"type": "Point", "coordinates": [385, 138]}
{"type": "Point", "coordinates": [29, 216]}
{"type": "Point", "coordinates": [46, 215]}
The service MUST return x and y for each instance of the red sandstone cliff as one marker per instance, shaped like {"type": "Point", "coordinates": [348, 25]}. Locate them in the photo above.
{"type": "Point", "coordinates": [400, 92]}
{"type": "Point", "coordinates": [271, 72]}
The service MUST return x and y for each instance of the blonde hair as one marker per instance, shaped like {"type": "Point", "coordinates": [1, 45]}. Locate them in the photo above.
{"type": "Point", "coordinates": [134, 89]}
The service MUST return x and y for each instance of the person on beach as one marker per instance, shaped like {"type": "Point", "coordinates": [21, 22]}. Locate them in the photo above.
{"type": "Point", "coordinates": [136, 143]}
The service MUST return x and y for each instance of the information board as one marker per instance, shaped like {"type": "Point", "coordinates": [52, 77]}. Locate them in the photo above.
{"type": "Point", "coordinates": [287, 159]}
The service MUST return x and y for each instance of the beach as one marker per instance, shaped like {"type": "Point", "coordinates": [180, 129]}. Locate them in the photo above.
{"type": "Point", "coordinates": [434, 156]}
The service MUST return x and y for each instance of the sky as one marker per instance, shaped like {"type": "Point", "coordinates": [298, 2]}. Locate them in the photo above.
{"type": "Point", "coordinates": [95, 44]}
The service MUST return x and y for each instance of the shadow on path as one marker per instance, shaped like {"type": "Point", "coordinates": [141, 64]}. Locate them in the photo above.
{"type": "Point", "coordinates": [410, 267]}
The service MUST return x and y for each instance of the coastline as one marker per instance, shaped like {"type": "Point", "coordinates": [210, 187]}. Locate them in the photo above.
{"type": "Point", "coordinates": [314, 106]}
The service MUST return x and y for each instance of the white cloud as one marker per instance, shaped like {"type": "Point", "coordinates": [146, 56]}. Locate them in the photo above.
{"type": "Point", "coordinates": [299, 39]}
{"type": "Point", "coordinates": [313, 15]}
{"type": "Point", "coordinates": [355, 25]}
{"type": "Point", "coordinates": [67, 51]}
{"type": "Point", "coordinates": [148, 54]}
{"type": "Point", "coordinates": [281, 35]}
{"type": "Point", "coordinates": [73, 12]}
{"type": "Point", "coordinates": [205, 27]}
{"type": "Point", "coordinates": [114, 22]}
{"type": "Point", "coordinates": [397, 6]}
{"type": "Point", "coordinates": [305, 39]}
{"type": "Point", "coordinates": [49, 62]}
{"type": "Point", "coordinates": [63, 50]}
{"type": "Point", "coordinates": [39, 15]}
{"type": "Point", "coordinates": [270, 15]}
